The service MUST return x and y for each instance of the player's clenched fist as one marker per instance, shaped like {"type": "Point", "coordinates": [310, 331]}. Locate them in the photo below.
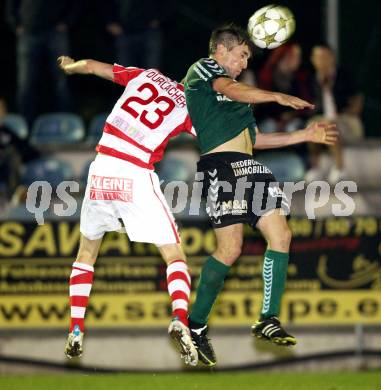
{"type": "Point", "coordinates": [64, 63]}
{"type": "Point", "coordinates": [69, 66]}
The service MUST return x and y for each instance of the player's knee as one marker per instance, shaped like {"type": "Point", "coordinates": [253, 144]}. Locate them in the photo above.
{"type": "Point", "coordinates": [229, 253]}
{"type": "Point", "coordinates": [283, 240]}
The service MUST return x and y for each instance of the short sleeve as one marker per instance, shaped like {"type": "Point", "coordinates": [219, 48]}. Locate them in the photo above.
{"type": "Point", "coordinates": [123, 75]}
{"type": "Point", "coordinates": [208, 69]}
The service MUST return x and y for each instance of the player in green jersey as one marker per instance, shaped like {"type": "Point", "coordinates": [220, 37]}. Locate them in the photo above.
{"type": "Point", "coordinates": [220, 110]}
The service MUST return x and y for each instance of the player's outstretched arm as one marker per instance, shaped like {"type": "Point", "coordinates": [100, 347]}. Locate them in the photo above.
{"type": "Point", "coordinates": [316, 132]}
{"type": "Point", "coordinates": [244, 93]}
{"type": "Point", "coordinates": [97, 68]}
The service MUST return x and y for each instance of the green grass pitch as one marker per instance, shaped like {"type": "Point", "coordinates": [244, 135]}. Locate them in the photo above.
{"type": "Point", "coordinates": [201, 381]}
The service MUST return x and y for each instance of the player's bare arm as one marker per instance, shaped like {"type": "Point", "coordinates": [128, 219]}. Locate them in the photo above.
{"type": "Point", "coordinates": [317, 132]}
{"type": "Point", "coordinates": [244, 93]}
{"type": "Point", "coordinates": [88, 66]}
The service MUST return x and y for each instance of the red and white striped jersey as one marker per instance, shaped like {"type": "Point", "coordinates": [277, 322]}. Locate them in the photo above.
{"type": "Point", "coordinates": [151, 110]}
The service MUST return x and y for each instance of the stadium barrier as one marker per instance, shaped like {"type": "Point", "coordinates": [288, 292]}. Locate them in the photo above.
{"type": "Point", "coordinates": [334, 276]}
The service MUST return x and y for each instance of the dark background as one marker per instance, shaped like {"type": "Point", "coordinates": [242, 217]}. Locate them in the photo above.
{"type": "Point", "coordinates": [187, 31]}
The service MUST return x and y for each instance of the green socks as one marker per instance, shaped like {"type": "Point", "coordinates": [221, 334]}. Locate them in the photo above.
{"type": "Point", "coordinates": [274, 279]}
{"type": "Point", "coordinates": [211, 281]}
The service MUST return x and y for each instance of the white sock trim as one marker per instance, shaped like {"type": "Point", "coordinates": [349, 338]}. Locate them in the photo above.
{"type": "Point", "coordinates": [81, 290]}
{"type": "Point", "coordinates": [83, 266]}
{"type": "Point", "coordinates": [76, 272]}
{"type": "Point", "coordinates": [179, 304]}
{"type": "Point", "coordinates": [178, 267]}
{"type": "Point", "coordinates": [77, 312]}
{"type": "Point", "coordinates": [178, 285]}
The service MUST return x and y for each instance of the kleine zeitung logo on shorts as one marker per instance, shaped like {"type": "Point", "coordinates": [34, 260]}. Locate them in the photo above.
{"type": "Point", "coordinates": [110, 188]}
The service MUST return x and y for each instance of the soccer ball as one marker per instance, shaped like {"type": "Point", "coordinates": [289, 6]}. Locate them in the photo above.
{"type": "Point", "coordinates": [271, 26]}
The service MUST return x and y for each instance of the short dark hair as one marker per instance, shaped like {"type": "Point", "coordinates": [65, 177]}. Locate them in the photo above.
{"type": "Point", "coordinates": [229, 35]}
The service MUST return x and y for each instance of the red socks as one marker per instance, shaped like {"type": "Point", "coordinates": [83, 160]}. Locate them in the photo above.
{"type": "Point", "coordinates": [179, 284]}
{"type": "Point", "coordinates": [81, 281]}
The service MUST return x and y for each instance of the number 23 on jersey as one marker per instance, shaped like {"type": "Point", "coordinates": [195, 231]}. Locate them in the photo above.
{"type": "Point", "coordinates": [149, 110]}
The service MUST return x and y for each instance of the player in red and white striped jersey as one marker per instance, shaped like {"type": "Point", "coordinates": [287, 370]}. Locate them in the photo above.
{"type": "Point", "coordinates": [123, 185]}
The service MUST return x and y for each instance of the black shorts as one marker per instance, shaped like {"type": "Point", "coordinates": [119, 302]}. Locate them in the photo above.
{"type": "Point", "coordinates": [238, 189]}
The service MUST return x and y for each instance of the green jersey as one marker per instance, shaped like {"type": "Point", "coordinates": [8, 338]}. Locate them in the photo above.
{"type": "Point", "coordinates": [216, 118]}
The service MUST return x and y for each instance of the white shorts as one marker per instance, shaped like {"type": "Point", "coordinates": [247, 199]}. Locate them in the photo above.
{"type": "Point", "coordinates": [117, 189]}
